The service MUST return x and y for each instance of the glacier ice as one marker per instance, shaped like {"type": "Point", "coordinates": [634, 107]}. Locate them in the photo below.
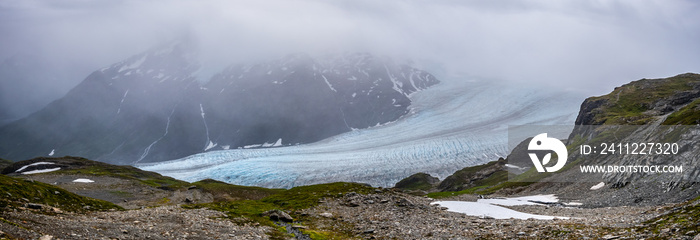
{"type": "Point", "coordinates": [451, 126]}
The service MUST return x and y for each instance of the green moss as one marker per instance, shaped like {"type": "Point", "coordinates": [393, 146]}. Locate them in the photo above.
{"type": "Point", "coordinates": [626, 104]}
{"type": "Point", "coordinates": [503, 180]}
{"type": "Point", "coordinates": [228, 192]}
{"type": "Point", "coordinates": [418, 181]}
{"type": "Point", "coordinates": [317, 235]}
{"type": "Point", "coordinates": [324, 235]}
{"type": "Point", "coordinates": [483, 186]}
{"type": "Point", "coordinates": [475, 176]}
{"type": "Point", "coordinates": [78, 165]}
{"type": "Point", "coordinates": [164, 201]}
{"type": "Point", "coordinates": [247, 211]}
{"type": "Point", "coordinates": [11, 223]}
{"type": "Point", "coordinates": [308, 196]}
{"type": "Point", "coordinates": [688, 115]}
{"type": "Point", "coordinates": [15, 192]}
{"type": "Point", "coordinates": [242, 211]}
{"type": "Point", "coordinates": [684, 217]}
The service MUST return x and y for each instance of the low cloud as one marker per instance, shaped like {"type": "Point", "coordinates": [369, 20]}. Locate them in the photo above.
{"type": "Point", "coordinates": [590, 46]}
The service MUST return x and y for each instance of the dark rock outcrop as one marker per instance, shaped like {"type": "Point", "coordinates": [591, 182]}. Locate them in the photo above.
{"type": "Point", "coordinates": [486, 174]}
{"type": "Point", "coordinates": [278, 215]}
{"type": "Point", "coordinates": [418, 181]}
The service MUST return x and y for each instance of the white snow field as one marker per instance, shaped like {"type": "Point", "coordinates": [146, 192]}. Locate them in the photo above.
{"type": "Point", "coordinates": [492, 207]}
{"type": "Point", "coordinates": [451, 126]}
{"type": "Point", "coordinates": [41, 171]}
{"type": "Point", "coordinates": [83, 180]}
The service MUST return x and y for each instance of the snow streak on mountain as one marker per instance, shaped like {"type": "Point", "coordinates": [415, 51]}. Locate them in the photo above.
{"type": "Point", "coordinates": [450, 126]}
{"type": "Point", "coordinates": [151, 107]}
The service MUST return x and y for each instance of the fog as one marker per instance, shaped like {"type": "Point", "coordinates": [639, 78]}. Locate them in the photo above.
{"type": "Point", "coordinates": [586, 46]}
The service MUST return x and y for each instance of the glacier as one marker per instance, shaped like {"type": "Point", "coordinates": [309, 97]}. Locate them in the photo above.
{"type": "Point", "coordinates": [452, 125]}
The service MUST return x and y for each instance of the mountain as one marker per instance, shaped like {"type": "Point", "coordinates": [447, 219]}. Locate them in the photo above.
{"type": "Point", "coordinates": [663, 112]}
{"type": "Point", "coordinates": [298, 99]}
{"type": "Point", "coordinates": [111, 113]}
{"type": "Point", "coordinates": [151, 107]}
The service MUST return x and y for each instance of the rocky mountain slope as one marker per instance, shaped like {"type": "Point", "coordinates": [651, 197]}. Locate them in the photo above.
{"type": "Point", "coordinates": [657, 108]}
{"type": "Point", "coordinates": [648, 110]}
{"type": "Point", "coordinates": [151, 107]}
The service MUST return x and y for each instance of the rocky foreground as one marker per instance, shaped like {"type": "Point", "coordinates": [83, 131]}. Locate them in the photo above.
{"type": "Point", "coordinates": [120, 202]}
{"type": "Point", "coordinates": [383, 214]}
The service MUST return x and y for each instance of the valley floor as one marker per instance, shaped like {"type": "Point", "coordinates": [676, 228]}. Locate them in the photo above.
{"type": "Point", "coordinates": [167, 222]}
{"type": "Point", "coordinates": [381, 215]}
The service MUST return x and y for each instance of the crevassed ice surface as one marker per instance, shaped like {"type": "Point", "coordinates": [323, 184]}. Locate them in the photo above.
{"type": "Point", "coordinates": [451, 126]}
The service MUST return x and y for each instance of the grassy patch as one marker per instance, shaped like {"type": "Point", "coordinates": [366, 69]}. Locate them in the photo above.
{"type": "Point", "coordinates": [483, 186]}
{"type": "Point", "coordinates": [129, 172]}
{"type": "Point", "coordinates": [626, 104]}
{"type": "Point", "coordinates": [228, 192]}
{"type": "Point", "coordinates": [324, 235]}
{"type": "Point", "coordinates": [474, 176]}
{"type": "Point", "coordinates": [503, 180]}
{"type": "Point", "coordinates": [250, 211]}
{"type": "Point", "coordinates": [688, 115]}
{"type": "Point", "coordinates": [78, 165]}
{"type": "Point", "coordinates": [15, 192]}
{"type": "Point", "coordinates": [683, 217]}
{"type": "Point", "coordinates": [242, 211]}
{"type": "Point", "coordinates": [418, 181]}
{"type": "Point", "coordinates": [308, 196]}
{"type": "Point", "coordinates": [247, 211]}
{"type": "Point", "coordinates": [11, 223]}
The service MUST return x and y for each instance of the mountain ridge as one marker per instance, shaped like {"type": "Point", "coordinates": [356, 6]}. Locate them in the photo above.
{"type": "Point", "coordinates": [151, 107]}
{"type": "Point", "coordinates": [663, 106]}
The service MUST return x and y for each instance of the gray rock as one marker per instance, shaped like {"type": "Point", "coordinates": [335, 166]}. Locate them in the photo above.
{"type": "Point", "coordinates": [403, 202]}
{"type": "Point", "coordinates": [278, 215]}
{"type": "Point", "coordinates": [34, 206]}
{"type": "Point", "coordinates": [610, 237]}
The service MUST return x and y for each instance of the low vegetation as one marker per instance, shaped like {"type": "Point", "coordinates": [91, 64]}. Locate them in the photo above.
{"type": "Point", "coordinates": [77, 165]}
{"type": "Point", "coordinates": [681, 216]}
{"type": "Point", "coordinates": [629, 103]}
{"type": "Point", "coordinates": [291, 200]}
{"type": "Point", "coordinates": [418, 182]}
{"type": "Point", "coordinates": [688, 115]}
{"type": "Point", "coordinates": [20, 193]}
{"type": "Point", "coordinates": [228, 192]}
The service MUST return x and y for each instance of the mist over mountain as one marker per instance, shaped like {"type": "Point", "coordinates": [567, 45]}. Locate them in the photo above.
{"type": "Point", "coordinates": [151, 107]}
{"type": "Point", "coordinates": [27, 84]}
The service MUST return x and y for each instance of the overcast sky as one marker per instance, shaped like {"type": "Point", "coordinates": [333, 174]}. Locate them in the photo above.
{"type": "Point", "coordinates": [590, 46]}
